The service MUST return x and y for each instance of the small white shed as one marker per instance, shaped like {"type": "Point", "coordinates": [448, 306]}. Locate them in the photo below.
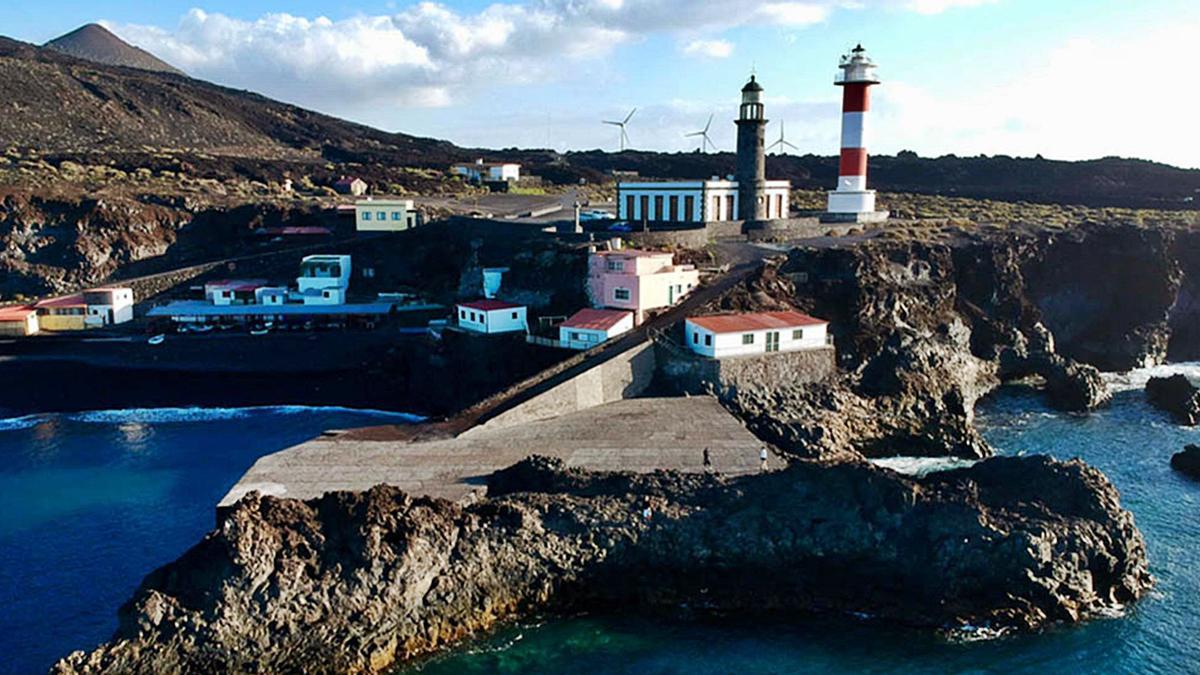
{"type": "Point", "coordinates": [491, 316]}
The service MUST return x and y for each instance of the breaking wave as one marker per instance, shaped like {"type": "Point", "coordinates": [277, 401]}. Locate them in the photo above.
{"type": "Point", "coordinates": [1137, 378]}
{"type": "Point", "coordinates": [922, 466]}
{"type": "Point", "coordinates": [199, 414]}
{"type": "Point", "coordinates": [17, 423]}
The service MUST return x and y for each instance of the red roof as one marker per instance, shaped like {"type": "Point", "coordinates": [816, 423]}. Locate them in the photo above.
{"type": "Point", "coordinates": [293, 229]}
{"type": "Point", "coordinates": [742, 323]}
{"type": "Point", "coordinates": [15, 313]}
{"type": "Point", "coordinates": [235, 284]}
{"type": "Point", "coordinates": [64, 301]}
{"type": "Point", "coordinates": [637, 253]}
{"type": "Point", "coordinates": [596, 319]}
{"type": "Point", "coordinates": [347, 180]}
{"type": "Point", "coordinates": [488, 305]}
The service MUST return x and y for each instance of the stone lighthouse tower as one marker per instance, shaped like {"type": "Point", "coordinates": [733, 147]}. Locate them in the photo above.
{"type": "Point", "coordinates": [852, 201]}
{"type": "Point", "coordinates": [751, 154]}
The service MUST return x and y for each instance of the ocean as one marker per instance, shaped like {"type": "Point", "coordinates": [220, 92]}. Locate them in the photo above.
{"type": "Point", "coordinates": [91, 502]}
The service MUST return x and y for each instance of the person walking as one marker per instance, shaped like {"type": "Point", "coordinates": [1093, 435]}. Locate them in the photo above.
{"type": "Point", "coordinates": [707, 462]}
{"type": "Point", "coordinates": [762, 458]}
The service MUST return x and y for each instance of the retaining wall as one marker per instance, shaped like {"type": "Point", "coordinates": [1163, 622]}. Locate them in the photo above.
{"type": "Point", "coordinates": [626, 375]}
{"type": "Point", "coordinates": [682, 372]}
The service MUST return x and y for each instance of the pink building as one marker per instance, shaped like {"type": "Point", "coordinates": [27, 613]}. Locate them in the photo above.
{"type": "Point", "coordinates": [638, 281]}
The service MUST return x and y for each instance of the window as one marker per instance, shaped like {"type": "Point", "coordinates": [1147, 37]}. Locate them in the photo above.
{"type": "Point", "coordinates": [707, 340]}
{"type": "Point", "coordinates": [728, 208]}
{"type": "Point", "coordinates": [629, 207]}
{"type": "Point", "coordinates": [674, 206]}
{"type": "Point", "coordinates": [748, 339]}
{"type": "Point", "coordinates": [798, 334]}
{"type": "Point", "coordinates": [621, 294]}
{"type": "Point", "coordinates": [514, 316]}
{"type": "Point", "coordinates": [616, 265]}
{"type": "Point", "coordinates": [396, 215]}
{"type": "Point", "coordinates": [658, 208]}
{"type": "Point", "coordinates": [381, 215]}
{"type": "Point", "coordinates": [689, 208]}
{"type": "Point", "coordinates": [462, 314]}
{"type": "Point", "coordinates": [695, 338]}
{"type": "Point", "coordinates": [366, 215]}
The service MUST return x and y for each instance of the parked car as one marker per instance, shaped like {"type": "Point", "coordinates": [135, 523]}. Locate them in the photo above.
{"type": "Point", "coordinates": [620, 227]}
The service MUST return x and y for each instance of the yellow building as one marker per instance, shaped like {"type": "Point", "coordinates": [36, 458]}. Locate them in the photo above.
{"type": "Point", "coordinates": [66, 313]}
{"type": "Point", "coordinates": [18, 321]}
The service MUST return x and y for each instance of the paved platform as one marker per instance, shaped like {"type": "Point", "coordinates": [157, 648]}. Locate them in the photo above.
{"type": "Point", "coordinates": [642, 435]}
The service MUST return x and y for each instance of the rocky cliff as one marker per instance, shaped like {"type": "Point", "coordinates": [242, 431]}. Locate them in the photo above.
{"type": "Point", "coordinates": [358, 582]}
{"type": "Point", "coordinates": [925, 328]}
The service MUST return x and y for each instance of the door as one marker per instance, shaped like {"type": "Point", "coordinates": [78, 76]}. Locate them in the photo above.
{"type": "Point", "coordinates": [773, 341]}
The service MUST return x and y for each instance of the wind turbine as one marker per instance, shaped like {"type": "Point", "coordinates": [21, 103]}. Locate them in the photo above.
{"type": "Point", "coordinates": [622, 124]}
{"type": "Point", "coordinates": [705, 141]}
{"type": "Point", "coordinates": [782, 142]}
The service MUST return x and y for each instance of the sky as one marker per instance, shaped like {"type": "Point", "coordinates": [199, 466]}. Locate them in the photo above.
{"type": "Point", "coordinates": [1066, 79]}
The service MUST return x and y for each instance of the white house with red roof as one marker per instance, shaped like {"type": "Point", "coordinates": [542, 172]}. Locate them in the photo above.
{"type": "Point", "coordinates": [491, 317]}
{"type": "Point", "coordinates": [726, 335]}
{"type": "Point", "coordinates": [590, 327]}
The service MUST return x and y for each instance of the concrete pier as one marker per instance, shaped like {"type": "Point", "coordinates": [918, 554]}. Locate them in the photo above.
{"type": "Point", "coordinates": [641, 434]}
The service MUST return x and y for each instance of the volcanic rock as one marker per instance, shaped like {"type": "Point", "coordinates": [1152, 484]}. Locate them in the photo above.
{"type": "Point", "coordinates": [1187, 462]}
{"type": "Point", "coordinates": [356, 582]}
{"type": "Point", "coordinates": [1177, 396]}
{"type": "Point", "coordinates": [94, 42]}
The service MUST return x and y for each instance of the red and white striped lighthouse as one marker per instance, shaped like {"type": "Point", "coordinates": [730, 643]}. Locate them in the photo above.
{"type": "Point", "coordinates": [856, 78]}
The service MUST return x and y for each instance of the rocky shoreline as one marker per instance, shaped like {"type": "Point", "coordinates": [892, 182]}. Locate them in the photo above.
{"type": "Point", "coordinates": [357, 582]}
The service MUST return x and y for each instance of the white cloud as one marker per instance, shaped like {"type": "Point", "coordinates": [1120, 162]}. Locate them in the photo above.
{"type": "Point", "coordinates": [794, 14]}
{"type": "Point", "coordinates": [715, 49]}
{"type": "Point", "coordinates": [430, 54]}
{"type": "Point", "coordinates": [939, 6]}
{"type": "Point", "coordinates": [1085, 99]}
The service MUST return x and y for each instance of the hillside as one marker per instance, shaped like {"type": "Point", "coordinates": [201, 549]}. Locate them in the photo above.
{"type": "Point", "coordinates": [94, 42]}
{"type": "Point", "coordinates": [59, 104]}
{"type": "Point", "coordinates": [1111, 181]}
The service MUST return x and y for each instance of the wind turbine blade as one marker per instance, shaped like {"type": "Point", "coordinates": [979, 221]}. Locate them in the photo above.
{"type": "Point", "coordinates": [615, 124]}
{"type": "Point", "coordinates": [709, 125]}
{"type": "Point", "coordinates": [694, 133]}
{"type": "Point", "coordinates": [630, 115]}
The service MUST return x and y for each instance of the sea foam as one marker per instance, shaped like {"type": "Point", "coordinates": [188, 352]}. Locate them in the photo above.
{"type": "Point", "coordinates": [1138, 377]}
{"type": "Point", "coordinates": [197, 414]}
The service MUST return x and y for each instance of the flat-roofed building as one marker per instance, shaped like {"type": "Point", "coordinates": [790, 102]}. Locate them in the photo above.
{"type": "Point", "coordinates": [694, 201]}
{"type": "Point", "coordinates": [639, 281]}
{"type": "Point", "coordinates": [385, 215]}
{"type": "Point", "coordinates": [108, 306]}
{"type": "Point", "coordinates": [491, 317]}
{"type": "Point", "coordinates": [488, 172]}
{"type": "Point", "coordinates": [324, 271]}
{"type": "Point", "coordinates": [18, 321]}
{"type": "Point", "coordinates": [588, 328]}
{"type": "Point", "coordinates": [726, 335]}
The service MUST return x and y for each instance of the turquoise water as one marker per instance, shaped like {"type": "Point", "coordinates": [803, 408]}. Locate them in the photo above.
{"type": "Point", "coordinates": [1129, 441]}
{"type": "Point", "coordinates": [91, 502]}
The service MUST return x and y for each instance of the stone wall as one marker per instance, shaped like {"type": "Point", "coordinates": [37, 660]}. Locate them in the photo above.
{"type": "Point", "coordinates": [625, 375]}
{"type": "Point", "coordinates": [682, 372]}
